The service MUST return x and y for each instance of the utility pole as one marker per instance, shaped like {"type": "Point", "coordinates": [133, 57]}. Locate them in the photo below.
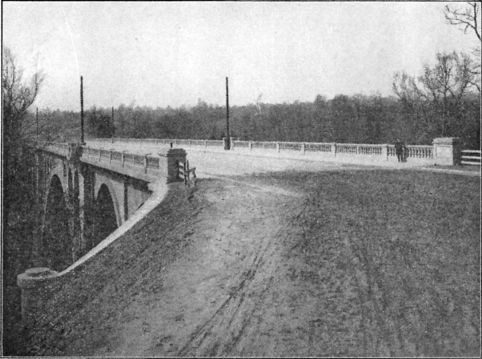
{"type": "Point", "coordinates": [82, 142]}
{"type": "Point", "coordinates": [36, 118]}
{"type": "Point", "coordinates": [113, 128]}
{"type": "Point", "coordinates": [227, 144]}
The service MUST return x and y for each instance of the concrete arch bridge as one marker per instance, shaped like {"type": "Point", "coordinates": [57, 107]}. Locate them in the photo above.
{"type": "Point", "coordinates": [84, 194]}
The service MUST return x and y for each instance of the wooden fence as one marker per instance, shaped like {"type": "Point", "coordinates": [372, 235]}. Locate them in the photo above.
{"type": "Point", "coordinates": [471, 157]}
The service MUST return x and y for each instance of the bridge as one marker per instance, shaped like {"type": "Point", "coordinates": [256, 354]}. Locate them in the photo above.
{"type": "Point", "coordinates": [85, 194]}
{"type": "Point", "coordinates": [88, 196]}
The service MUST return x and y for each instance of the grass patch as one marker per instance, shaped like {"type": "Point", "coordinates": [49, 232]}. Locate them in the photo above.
{"type": "Point", "coordinates": [394, 258]}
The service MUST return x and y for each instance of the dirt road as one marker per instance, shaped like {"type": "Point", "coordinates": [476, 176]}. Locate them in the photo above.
{"type": "Point", "coordinates": [228, 294]}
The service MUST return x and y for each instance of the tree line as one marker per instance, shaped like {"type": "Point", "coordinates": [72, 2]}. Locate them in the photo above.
{"type": "Point", "coordinates": [352, 119]}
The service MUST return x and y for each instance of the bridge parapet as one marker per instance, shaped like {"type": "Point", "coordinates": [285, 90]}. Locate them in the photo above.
{"type": "Point", "coordinates": [311, 150]}
{"type": "Point", "coordinates": [145, 167]}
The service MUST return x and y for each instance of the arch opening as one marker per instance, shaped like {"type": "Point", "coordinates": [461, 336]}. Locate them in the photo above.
{"type": "Point", "coordinates": [56, 240]}
{"type": "Point", "coordinates": [105, 221]}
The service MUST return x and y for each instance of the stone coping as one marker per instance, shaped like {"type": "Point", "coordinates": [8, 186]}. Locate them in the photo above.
{"type": "Point", "coordinates": [35, 277]}
{"type": "Point", "coordinates": [446, 140]}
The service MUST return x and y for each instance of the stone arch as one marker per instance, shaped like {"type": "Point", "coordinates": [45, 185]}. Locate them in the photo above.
{"type": "Point", "coordinates": [101, 180]}
{"type": "Point", "coordinates": [58, 171]}
{"type": "Point", "coordinates": [105, 216]}
{"type": "Point", "coordinates": [56, 241]}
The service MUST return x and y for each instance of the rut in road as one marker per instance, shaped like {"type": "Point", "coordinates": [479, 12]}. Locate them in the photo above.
{"type": "Point", "coordinates": [230, 318]}
{"type": "Point", "coordinates": [214, 295]}
{"type": "Point", "coordinates": [223, 331]}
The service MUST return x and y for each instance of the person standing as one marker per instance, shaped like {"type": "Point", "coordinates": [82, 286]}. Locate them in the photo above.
{"type": "Point", "coordinates": [399, 149]}
{"type": "Point", "coordinates": [404, 152]}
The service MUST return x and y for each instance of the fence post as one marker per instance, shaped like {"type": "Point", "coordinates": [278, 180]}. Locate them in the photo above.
{"type": "Point", "coordinates": [145, 164]}
{"type": "Point", "coordinates": [123, 158]}
{"type": "Point", "coordinates": [110, 156]}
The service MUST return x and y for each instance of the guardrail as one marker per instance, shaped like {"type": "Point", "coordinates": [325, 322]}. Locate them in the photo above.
{"type": "Point", "coordinates": [108, 156]}
{"type": "Point", "coordinates": [381, 151]}
{"type": "Point", "coordinates": [471, 157]}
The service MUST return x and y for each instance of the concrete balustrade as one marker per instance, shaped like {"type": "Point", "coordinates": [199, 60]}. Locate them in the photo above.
{"type": "Point", "coordinates": [344, 151]}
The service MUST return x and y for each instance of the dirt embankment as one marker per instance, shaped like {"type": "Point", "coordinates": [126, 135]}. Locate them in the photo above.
{"type": "Point", "coordinates": [295, 264]}
{"type": "Point", "coordinates": [200, 264]}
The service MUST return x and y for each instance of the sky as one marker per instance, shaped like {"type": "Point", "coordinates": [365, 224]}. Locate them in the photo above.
{"type": "Point", "coordinates": [175, 54]}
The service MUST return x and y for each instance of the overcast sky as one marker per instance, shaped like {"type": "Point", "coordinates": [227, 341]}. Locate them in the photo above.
{"type": "Point", "coordinates": [172, 54]}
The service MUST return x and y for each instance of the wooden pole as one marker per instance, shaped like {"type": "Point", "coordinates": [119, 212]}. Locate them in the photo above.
{"type": "Point", "coordinates": [113, 128]}
{"type": "Point", "coordinates": [227, 145]}
{"type": "Point", "coordinates": [81, 111]}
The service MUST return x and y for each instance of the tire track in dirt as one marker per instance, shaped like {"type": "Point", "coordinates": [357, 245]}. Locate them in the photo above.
{"type": "Point", "coordinates": [236, 312]}
{"type": "Point", "coordinates": [212, 296]}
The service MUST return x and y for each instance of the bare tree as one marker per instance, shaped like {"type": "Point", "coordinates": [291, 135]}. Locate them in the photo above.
{"type": "Point", "coordinates": [17, 96]}
{"type": "Point", "coordinates": [468, 19]}
{"type": "Point", "coordinates": [437, 95]}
